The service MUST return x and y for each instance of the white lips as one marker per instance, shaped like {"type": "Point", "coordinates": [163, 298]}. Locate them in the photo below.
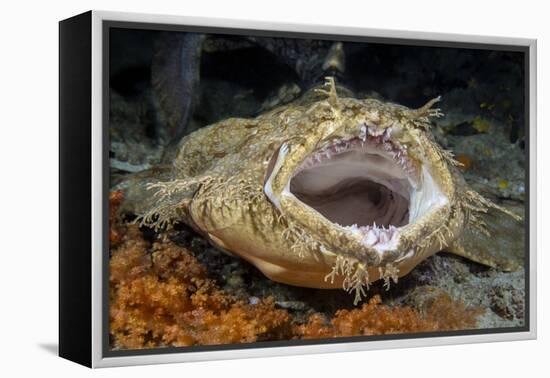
{"type": "Point", "coordinates": [425, 197]}
{"type": "Point", "coordinates": [268, 189]}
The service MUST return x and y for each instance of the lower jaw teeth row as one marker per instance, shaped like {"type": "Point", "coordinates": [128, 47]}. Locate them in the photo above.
{"type": "Point", "coordinates": [373, 235]}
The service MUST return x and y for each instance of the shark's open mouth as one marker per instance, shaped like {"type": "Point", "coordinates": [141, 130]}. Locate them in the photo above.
{"type": "Point", "coordinates": [364, 184]}
{"type": "Point", "coordinates": [367, 185]}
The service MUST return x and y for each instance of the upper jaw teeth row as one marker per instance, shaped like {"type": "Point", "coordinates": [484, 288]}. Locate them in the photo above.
{"type": "Point", "coordinates": [375, 137]}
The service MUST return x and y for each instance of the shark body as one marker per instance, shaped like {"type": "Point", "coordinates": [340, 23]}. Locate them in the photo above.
{"type": "Point", "coordinates": [329, 192]}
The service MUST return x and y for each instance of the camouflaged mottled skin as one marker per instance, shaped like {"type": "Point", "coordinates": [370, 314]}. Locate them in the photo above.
{"type": "Point", "coordinates": [218, 188]}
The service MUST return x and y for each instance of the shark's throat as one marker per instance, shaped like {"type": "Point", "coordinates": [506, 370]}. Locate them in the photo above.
{"type": "Point", "coordinates": [359, 187]}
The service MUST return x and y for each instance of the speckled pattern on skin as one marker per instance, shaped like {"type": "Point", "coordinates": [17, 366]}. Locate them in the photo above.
{"type": "Point", "coordinates": [230, 180]}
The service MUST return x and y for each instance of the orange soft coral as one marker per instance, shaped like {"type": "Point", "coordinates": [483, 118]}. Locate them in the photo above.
{"type": "Point", "coordinates": [163, 297]}
{"type": "Point", "coordinates": [373, 318]}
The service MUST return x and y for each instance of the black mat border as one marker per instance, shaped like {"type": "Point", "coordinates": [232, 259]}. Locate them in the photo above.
{"type": "Point", "coordinates": [75, 189]}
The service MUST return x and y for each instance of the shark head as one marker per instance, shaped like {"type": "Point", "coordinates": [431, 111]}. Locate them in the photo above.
{"type": "Point", "coordinates": [368, 182]}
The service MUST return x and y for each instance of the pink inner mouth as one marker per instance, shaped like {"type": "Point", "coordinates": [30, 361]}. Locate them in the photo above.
{"type": "Point", "coordinates": [362, 184]}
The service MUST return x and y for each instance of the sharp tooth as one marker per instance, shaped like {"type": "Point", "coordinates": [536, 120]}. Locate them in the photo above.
{"type": "Point", "coordinates": [387, 134]}
{"type": "Point", "coordinates": [363, 132]}
{"type": "Point", "coordinates": [371, 238]}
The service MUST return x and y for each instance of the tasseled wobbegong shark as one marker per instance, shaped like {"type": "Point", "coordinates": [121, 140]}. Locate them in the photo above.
{"type": "Point", "coordinates": [329, 191]}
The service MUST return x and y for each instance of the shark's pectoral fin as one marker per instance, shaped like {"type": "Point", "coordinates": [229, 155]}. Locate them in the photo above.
{"type": "Point", "coordinates": [503, 247]}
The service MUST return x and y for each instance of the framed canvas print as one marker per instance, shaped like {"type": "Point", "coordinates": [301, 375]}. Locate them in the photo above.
{"type": "Point", "coordinates": [232, 189]}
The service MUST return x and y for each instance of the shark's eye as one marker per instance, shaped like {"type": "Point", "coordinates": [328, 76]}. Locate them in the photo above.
{"type": "Point", "coordinates": [360, 185]}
